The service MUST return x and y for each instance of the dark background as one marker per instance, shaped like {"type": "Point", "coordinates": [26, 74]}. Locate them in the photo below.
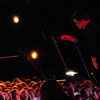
{"type": "Point", "coordinates": [39, 21]}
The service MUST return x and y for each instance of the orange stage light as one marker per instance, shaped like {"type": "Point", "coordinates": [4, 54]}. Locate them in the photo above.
{"type": "Point", "coordinates": [16, 19]}
{"type": "Point", "coordinates": [34, 55]}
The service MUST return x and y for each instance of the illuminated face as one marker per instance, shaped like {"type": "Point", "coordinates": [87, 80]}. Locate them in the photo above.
{"type": "Point", "coordinates": [79, 24]}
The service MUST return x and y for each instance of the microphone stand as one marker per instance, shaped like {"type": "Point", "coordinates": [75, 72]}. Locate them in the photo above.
{"type": "Point", "coordinates": [83, 61]}
{"type": "Point", "coordinates": [28, 58]}
{"type": "Point", "coordinates": [56, 45]}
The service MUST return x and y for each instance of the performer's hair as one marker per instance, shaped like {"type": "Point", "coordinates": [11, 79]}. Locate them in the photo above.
{"type": "Point", "coordinates": [80, 14]}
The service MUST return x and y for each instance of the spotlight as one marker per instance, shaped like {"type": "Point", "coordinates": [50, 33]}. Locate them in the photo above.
{"type": "Point", "coordinates": [16, 19]}
{"type": "Point", "coordinates": [71, 73]}
{"type": "Point", "coordinates": [34, 55]}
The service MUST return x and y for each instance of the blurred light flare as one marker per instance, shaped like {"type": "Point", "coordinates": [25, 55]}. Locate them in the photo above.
{"type": "Point", "coordinates": [92, 73]}
{"type": "Point", "coordinates": [71, 73]}
{"type": "Point", "coordinates": [34, 55]}
{"type": "Point", "coordinates": [16, 19]}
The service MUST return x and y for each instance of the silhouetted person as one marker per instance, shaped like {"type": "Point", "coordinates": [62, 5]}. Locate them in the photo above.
{"type": "Point", "coordinates": [52, 90]}
{"type": "Point", "coordinates": [90, 36]}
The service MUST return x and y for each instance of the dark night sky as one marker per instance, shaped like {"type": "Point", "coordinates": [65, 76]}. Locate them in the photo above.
{"type": "Point", "coordinates": [39, 20]}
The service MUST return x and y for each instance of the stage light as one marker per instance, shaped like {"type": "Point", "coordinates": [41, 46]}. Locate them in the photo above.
{"type": "Point", "coordinates": [16, 19]}
{"type": "Point", "coordinates": [71, 73]}
{"type": "Point", "coordinates": [92, 73]}
{"type": "Point", "coordinates": [34, 55]}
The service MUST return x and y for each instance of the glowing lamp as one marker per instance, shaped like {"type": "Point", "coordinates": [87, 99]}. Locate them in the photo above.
{"type": "Point", "coordinates": [16, 19]}
{"type": "Point", "coordinates": [34, 54]}
{"type": "Point", "coordinates": [71, 73]}
{"type": "Point", "coordinates": [91, 73]}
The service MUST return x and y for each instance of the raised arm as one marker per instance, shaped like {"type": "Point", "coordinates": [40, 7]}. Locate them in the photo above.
{"type": "Point", "coordinates": [69, 38]}
{"type": "Point", "coordinates": [94, 61]}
